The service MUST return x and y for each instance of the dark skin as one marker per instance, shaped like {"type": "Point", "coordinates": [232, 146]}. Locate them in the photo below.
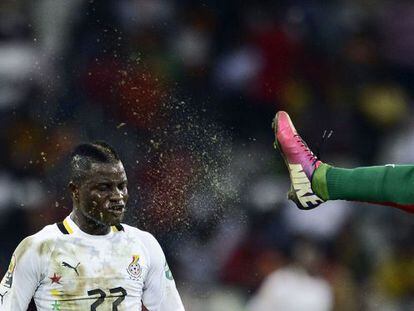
{"type": "Point", "coordinates": [99, 200]}
{"type": "Point", "coordinates": [104, 187]}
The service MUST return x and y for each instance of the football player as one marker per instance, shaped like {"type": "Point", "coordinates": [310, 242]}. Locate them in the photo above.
{"type": "Point", "coordinates": [90, 260]}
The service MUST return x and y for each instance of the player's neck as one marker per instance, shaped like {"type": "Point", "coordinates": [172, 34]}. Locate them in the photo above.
{"type": "Point", "coordinates": [88, 225]}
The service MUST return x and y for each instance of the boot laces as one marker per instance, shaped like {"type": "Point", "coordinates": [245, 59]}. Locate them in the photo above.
{"type": "Point", "coordinates": [319, 148]}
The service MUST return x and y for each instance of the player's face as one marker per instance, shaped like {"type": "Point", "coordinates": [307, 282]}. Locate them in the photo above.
{"type": "Point", "coordinates": [103, 194]}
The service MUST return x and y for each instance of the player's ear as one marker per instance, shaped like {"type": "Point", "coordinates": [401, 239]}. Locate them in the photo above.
{"type": "Point", "coordinates": [74, 190]}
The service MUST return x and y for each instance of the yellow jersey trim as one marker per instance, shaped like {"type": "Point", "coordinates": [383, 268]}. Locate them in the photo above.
{"type": "Point", "coordinates": [67, 226]}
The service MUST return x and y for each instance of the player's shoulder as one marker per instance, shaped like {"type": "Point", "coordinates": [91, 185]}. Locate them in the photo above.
{"type": "Point", "coordinates": [143, 236]}
{"type": "Point", "coordinates": [49, 232]}
{"type": "Point", "coordinates": [148, 241]}
{"type": "Point", "coordinates": [134, 231]}
{"type": "Point", "coordinates": [41, 241]}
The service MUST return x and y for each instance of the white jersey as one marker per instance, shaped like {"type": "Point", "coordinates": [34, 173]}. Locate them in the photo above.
{"type": "Point", "coordinates": [63, 268]}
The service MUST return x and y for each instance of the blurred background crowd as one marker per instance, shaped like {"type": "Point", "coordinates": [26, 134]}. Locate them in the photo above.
{"type": "Point", "coordinates": [186, 92]}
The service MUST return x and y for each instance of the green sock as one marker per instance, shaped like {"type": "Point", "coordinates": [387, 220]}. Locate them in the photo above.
{"type": "Point", "coordinates": [378, 184]}
{"type": "Point", "coordinates": [319, 184]}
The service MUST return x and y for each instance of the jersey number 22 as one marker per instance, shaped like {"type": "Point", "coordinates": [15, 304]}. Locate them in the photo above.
{"type": "Point", "coordinates": [102, 296]}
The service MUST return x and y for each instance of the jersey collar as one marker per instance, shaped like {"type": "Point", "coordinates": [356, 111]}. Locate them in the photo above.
{"type": "Point", "coordinates": [68, 226]}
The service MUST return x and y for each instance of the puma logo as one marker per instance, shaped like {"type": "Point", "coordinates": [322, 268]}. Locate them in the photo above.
{"type": "Point", "coordinates": [2, 296]}
{"type": "Point", "coordinates": [65, 264]}
{"type": "Point", "coordinates": [302, 186]}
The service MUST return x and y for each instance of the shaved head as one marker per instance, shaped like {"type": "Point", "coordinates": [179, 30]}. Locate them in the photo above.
{"type": "Point", "coordinates": [85, 155]}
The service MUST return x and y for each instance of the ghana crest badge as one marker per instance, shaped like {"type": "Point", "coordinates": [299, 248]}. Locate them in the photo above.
{"type": "Point", "coordinates": [134, 269]}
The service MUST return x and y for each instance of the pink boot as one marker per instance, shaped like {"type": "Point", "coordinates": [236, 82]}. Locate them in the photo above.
{"type": "Point", "coordinates": [300, 161]}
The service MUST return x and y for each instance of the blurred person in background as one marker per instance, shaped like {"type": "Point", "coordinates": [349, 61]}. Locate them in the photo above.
{"type": "Point", "coordinates": [296, 286]}
{"type": "Point", "coordinates": [91, 260]}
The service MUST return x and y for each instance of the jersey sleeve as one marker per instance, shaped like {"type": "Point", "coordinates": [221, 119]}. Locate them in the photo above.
{"type": "Point", "coordinates": [22, 277]}
{"type": "Point", "coordinates": [160, 292]}
{"type": "Point", "coordinates": [172, 299]}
